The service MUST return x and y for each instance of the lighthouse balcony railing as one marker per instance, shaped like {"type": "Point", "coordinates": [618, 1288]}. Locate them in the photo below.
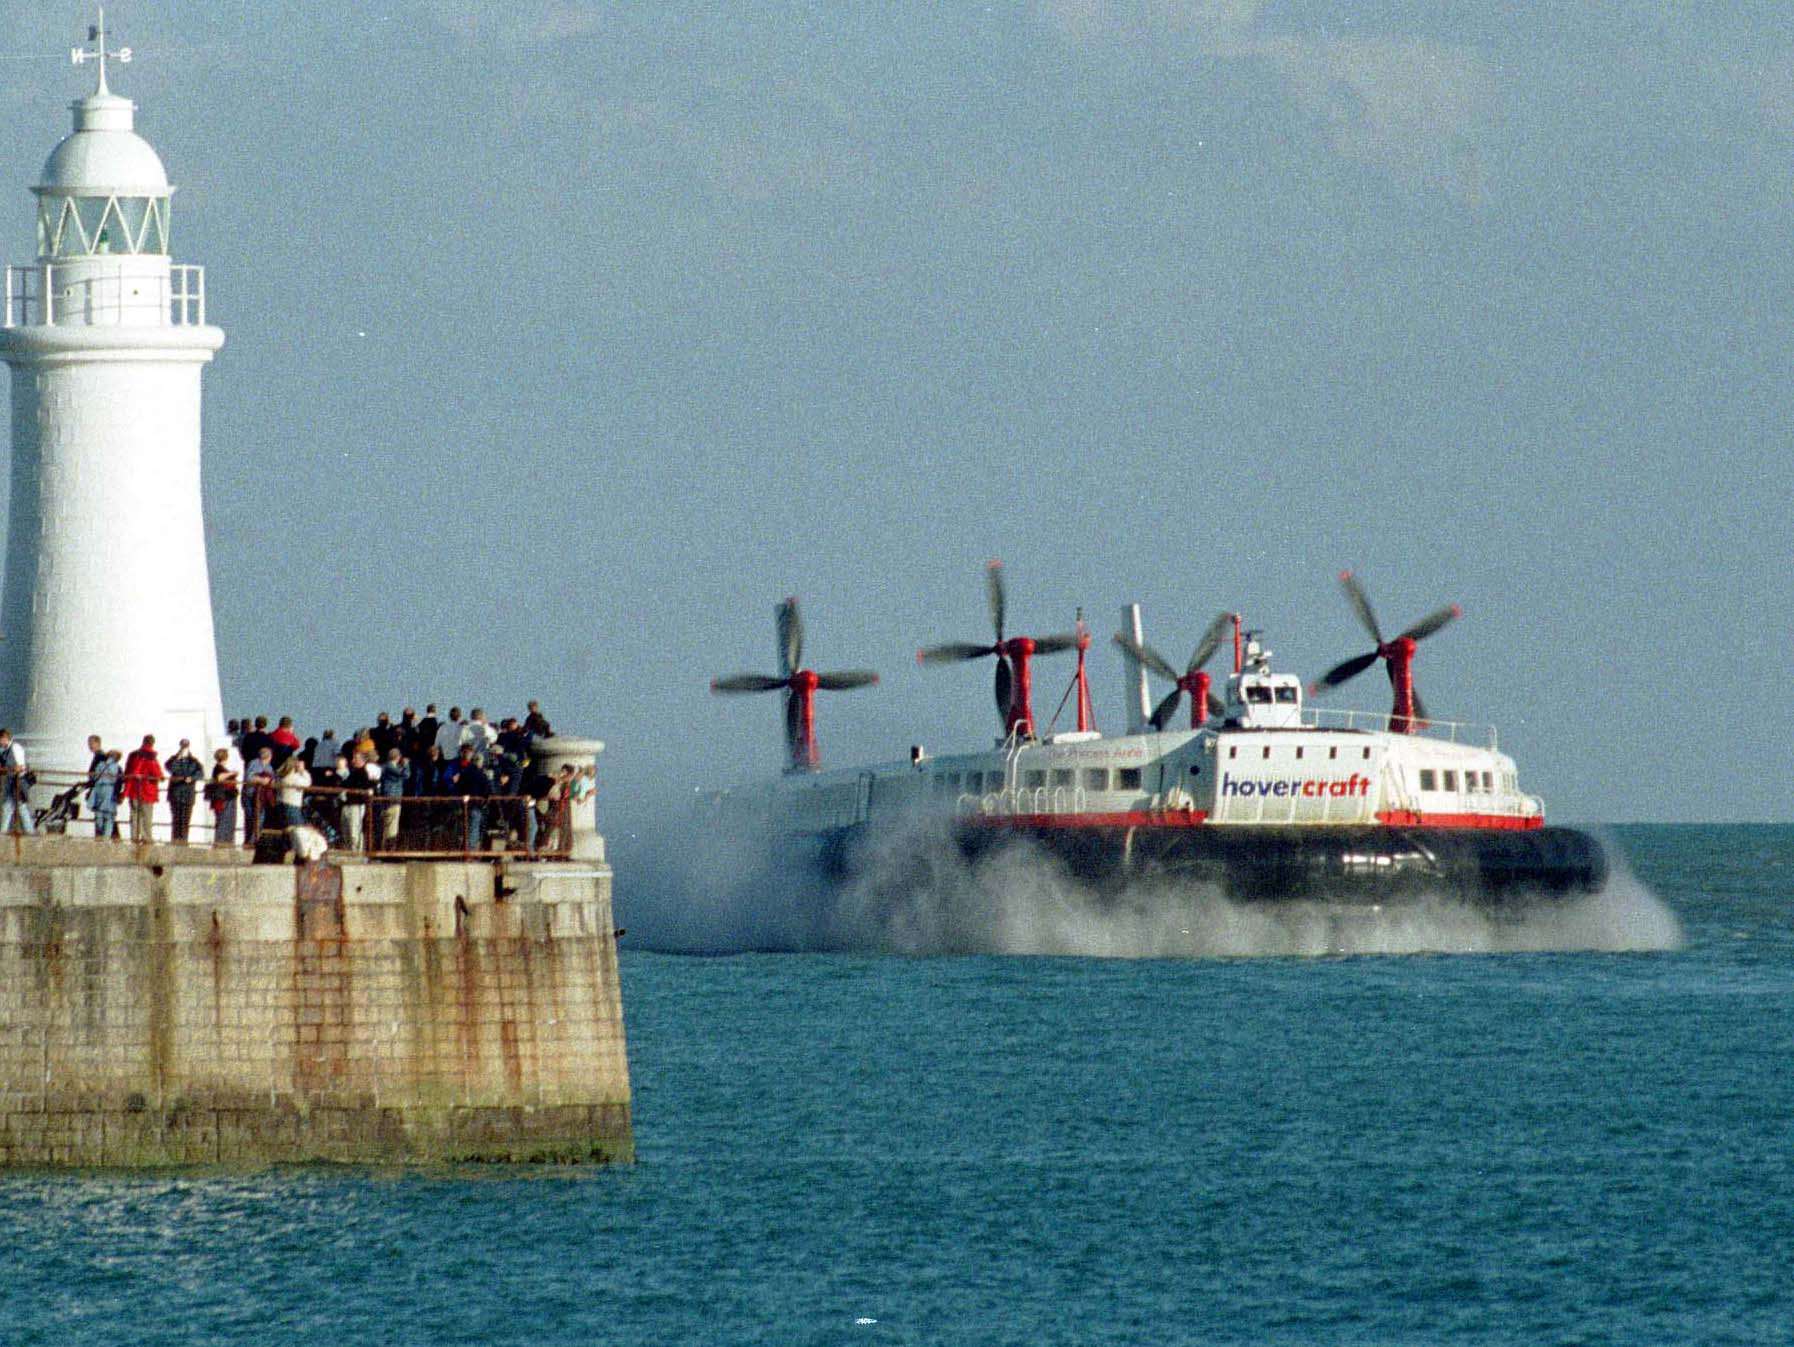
{"type": "Point", "coordinates": [92, 294]}
{"type": "Point", "coordinates": [1455, 731]}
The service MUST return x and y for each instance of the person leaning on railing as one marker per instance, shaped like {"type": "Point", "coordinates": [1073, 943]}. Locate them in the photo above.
{"type": "Point", "coordinates": [394, 773]}
{"type": "Point", "coordinates": [221, 795]}
{"type": "Point", "coordinates": [15, 793]}
{"type": "Point", "coordinates": [143, 787]}
{"type": "Point", "coordinates": [290, 784]}
{"type": "Point", "coordinates": [184, 775]}
{"type": "Point", "coordinates": [104, 779]}
{"type": "Point", "coordinates": [359, 786]}
{"type": "Point", "coordinates": [258, 792]}
{"type": "Point", "coordinates": [471, 783]}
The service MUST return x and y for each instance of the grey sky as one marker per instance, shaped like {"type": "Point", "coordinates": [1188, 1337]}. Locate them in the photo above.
{"type": "Point", "coordinates": [565, 339]}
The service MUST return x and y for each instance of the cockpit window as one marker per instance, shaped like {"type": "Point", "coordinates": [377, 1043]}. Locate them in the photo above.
{"type": "Point", "coordinates": [1286, 694]}
{"type": "Point", "coordinates": [1257, 693]}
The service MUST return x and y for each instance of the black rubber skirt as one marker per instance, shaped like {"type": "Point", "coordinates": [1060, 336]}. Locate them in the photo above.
{"type": "Point", "coordinates": [1332, 864]}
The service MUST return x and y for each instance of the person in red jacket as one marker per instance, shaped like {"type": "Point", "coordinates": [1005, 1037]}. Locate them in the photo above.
{"type": "Point", "coordinates": [285, 740]}
{"type": "Point", "coordinates": [142, 787]}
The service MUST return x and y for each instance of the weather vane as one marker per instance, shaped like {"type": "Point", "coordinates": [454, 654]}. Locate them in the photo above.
{"type": "Point", "coordinates": [96, 34]}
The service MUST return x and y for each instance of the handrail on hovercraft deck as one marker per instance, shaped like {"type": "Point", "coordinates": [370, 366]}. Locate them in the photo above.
{"type": "Point", "coordinates": [1468, 732]}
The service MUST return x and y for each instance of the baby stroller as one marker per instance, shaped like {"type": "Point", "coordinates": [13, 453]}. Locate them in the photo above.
{"type": "Point", "coordinates": [63, 809]}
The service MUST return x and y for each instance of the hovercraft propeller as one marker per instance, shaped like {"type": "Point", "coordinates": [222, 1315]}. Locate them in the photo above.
{"type": "Point", "coordinates": [1407, 714]}
{"type": "Point", "coordinates": [1014, 656]}
{"type": "Point", "coordinates": [1192, 680]}
{"type": "Point", "coordinates": [800, 686]}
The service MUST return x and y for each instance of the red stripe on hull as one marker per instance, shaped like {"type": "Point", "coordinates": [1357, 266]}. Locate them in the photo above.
{"type": "Point", "coordinates": [1189, 818]}
{"type": "Point", "coordinates": [1408, 818]}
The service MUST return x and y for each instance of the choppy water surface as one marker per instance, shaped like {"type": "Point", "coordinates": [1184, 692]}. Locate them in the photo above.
{"type": "Point", "coordinates": [1515, 1147]}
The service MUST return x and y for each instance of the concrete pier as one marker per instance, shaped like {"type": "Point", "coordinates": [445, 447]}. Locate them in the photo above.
{"type": "Point", "coordinates": [179, 1006]}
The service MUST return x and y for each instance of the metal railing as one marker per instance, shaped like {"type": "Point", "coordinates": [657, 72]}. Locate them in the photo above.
{"type": "Point", "coordinates": [1455, 731]}
{"type": "Point", "coordinates": [352, 822]}
{"type": "Point", "coordinates": [36, 295]}
{"type": "Point", "coordinates": [1025, 800]}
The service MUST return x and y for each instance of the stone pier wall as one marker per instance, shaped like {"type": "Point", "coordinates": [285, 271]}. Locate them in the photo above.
{"type": "Point", "coordinates": [163, 1006]}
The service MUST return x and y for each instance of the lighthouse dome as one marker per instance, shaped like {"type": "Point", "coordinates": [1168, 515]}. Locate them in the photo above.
{"type": "Point", "coordinates": [103, 156]}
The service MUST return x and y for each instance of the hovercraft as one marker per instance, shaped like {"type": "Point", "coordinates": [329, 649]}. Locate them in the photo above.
{"type": "Point", "coordinates": [1263, 797]}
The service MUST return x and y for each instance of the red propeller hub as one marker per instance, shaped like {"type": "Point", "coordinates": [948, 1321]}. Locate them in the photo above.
{"type": "Point", "coordinates": [1398, 657]}
{"type": "Point", "coordinates": [1197, 685]}
{"type": "Point", "coordinates": [1019, 650]}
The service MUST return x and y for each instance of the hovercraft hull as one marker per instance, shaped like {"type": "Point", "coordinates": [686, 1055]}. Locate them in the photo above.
{"type": "Point", "coordinates": [1343, 865]}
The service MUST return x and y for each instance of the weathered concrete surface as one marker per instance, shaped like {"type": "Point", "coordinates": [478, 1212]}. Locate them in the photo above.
{"type": "Point", "coordinates": [172, 1007]}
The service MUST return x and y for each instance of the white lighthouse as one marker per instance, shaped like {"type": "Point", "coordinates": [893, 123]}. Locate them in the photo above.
{"type": "Point", "coordinates": [106, 618]}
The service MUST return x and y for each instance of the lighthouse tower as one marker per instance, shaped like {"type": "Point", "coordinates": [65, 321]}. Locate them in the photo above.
{"type": "Point", "coordinates": [106, 616]}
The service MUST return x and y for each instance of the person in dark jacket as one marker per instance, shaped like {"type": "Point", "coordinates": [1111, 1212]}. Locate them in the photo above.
{"type": "Point", "coordinates": [423, 738]}
{"type": "Point", "coordinates": [384, 734]}
{"type": "Point", "coordinates": [255, 739]}
{"type": "Point", "coordinates": [359, 784]}
{"type": "Point", "coordinates": [394, 774]}
{"type": "Point", "coordinates": [474, 787]}
{"type": "Point", "coordinates": [185, 772]}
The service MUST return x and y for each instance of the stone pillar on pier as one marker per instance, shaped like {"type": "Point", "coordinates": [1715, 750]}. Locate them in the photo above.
{"type": "Point", "coordinates": [557, 751]}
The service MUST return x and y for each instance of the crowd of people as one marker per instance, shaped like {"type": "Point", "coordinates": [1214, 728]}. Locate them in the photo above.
{"type": "Point", "coordinates": [425, 783]}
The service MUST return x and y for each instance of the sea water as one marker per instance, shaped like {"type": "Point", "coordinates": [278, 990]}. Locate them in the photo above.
{"type": "Point", "coordinates": [1498, 1147]}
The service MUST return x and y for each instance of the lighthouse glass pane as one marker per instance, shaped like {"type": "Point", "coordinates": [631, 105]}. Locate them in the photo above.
{"type": "Point", "coordinates": [68, 238]}
{"type": "Point", "coordinates": [133, 212]}
{"type": "Point", "coordinates": [89, 211]}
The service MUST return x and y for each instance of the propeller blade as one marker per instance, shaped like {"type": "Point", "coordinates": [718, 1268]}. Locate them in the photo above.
{"type": "Point", "coordinates": [993, 586]}
{"type": "Point", "coordinates": [1210, 642]}
{"type": "Point", "coordinates": [747, 683]}
{"type": "Point", "coordinates": [1147, 656]}
{"type": "Point", "coordinates": [1162, 713]}
{"type": "Point", "coordinates": [790, 723]}
{"type": "Point", "coordinates": [791, 638]}
{"type": "Point", "coordinates": [1005, 687]}
{"type": "Point", "coordinates": [847, 680]}
{"type": "Point", "coordinates": [1361, 605]}
{"type": "Point", "coordinates": [1216, 707]}
{"type": "Point", "coordinates": [953, 652]}
{"type": "Point", "coordinates": [1341, 673]}
{"type": "Point", "coordinates": [1053, 645]}
{"type": "Point", "coordinates": [1432, 622]}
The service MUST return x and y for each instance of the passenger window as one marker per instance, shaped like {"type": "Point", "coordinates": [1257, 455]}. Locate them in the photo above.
{"type": "Point", "coordinates": [1233, 751]}
{"type": "Point", "coordinates": [1451, 781]}
{"type": "Point", "coordinates": [1267, 751]}
{"type": "Point", "coordinates": [1488, 781]}
{"type": "Point", "coordinates": [1367, 755]}
{"type": "Point", "coordinates": [1286, 694]}
{"type": "Point", "coordinates": [1259, 695]}
{"type": "Point", "coordinates": [1063, 776]}
{"type": "Point", "coordinates": [1127, 778]}
{"type": "Point", "coordinates": [1034, 780]}
{"type": "Point", "coordinates": [1332, 753]}
{"type": "Point", "coordinates": [1298, 753]}
{"type": "Point", "coordinates": [1096, 778]}
{"type": "Point", "coordinates": [1429, 779]}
